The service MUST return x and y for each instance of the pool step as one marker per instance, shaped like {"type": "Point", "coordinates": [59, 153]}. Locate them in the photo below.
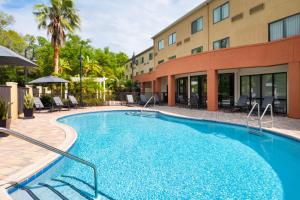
{"type": "Point", "coordinates": [64, 187]}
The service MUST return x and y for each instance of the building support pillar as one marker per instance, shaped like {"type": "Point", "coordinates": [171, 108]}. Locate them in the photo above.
{"type": "Point", "coordinates": [294, 89]}
{"type": "Point", "coordinates": [212, 90]}
{"type": "Point", "coordinates": [13, 100]}
{"type": "Point", "coordinates": [171, 90]}
{"type": "Point", "coordinates": [142, 86]}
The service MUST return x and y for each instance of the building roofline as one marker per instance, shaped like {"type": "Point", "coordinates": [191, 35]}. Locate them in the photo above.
{"type": "Point", "coordinates": [137, 55]}
{"type": "Point", "coordinates": [183, 17]}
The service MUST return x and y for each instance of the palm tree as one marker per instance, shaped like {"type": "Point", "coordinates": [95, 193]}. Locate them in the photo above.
{"type": "Point", "coordinates": [59, 17]}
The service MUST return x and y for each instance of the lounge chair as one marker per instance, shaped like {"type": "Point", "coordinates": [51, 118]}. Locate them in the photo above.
{"type": "Point", "coordinates": [73, 101]}
{"type": "Point", "coordinates": [242, 104]}
{"type": "Point", "coordinates": [143, 100]}
{"type": "Point", "coordinates": [38, 103]}
{"type": "Point", "coordinates": [58, 103]}
{"type": "Point", "coordinates": [129, 99]}
{"type": "Point", "coordinates": [194, 100]}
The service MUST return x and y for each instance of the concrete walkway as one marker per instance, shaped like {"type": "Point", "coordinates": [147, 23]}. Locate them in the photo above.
{"type": "Point", "coordinates": [19, 159]}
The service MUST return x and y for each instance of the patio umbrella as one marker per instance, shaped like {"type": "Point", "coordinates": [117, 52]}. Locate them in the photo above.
{"type": "Point", "coordinates": [48, 79]}
{"type": "Point", "coordinates": [8, 57]}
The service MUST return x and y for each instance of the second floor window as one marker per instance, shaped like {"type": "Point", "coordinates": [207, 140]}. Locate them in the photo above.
{"type": "Point", "coordinates": [150, 56]}
{"type": "Point", "coordinates": [221, 12]}
{"type": "Point", "coordinates": [197, 50]}
{"type": "Point", "coordinates": [142, 60]}
{"type": "Point", "coordinates": [283, 28]}
{"type": "Point", "coordinates": [160, 44]}
{"type": "Point", "coordinates": [160, 61]}
{"type": "Point", "coordinates": [172, 38]}
{"type": "Point", "coordinates": [223, 43]}
{"type": "Point", "coordinates": [150, 69]}
{"type": "Point", "coordinates": [197, 25]}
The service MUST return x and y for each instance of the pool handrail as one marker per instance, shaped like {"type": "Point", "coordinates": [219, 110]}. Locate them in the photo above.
{"type": "Point", "coordinates": [149, 100]}
{"type": "Point", "coordinates": [55, 150]}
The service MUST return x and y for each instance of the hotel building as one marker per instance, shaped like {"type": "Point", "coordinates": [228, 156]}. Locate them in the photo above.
{"type": "Point", "coordinates": [223, 49]}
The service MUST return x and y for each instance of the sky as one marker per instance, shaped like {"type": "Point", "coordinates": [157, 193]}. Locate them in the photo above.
{"type": "Point", "coordinates": [121, 25]}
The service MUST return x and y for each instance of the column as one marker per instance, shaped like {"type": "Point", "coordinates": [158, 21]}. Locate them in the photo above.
{"type": "Point", "coordinates": [13, 100]}
{"type": "Point", "coordinates": [212, 90]}
{"type": "Point", "coordinates": [158, 85]}
{"type": "Point", "coordinates": [294, 90]}
{"type": "Point", "coordinates": [142, 86]}
{"type": "Point", "coordinates": [171, 90]}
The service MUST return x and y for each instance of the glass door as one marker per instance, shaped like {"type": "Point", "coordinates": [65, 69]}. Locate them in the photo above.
{"type": "Point", "coordinates": [226, 89]}
{"type": "Point", "coordinates": [199, 87]}
{"type": "Point", "coordinates": [182, 89]}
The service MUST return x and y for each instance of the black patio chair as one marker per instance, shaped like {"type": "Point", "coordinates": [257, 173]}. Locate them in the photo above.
{"type": "Point", "coordinates": [242, 104]}
{"type": "Point", "coordinates": [194, 101]}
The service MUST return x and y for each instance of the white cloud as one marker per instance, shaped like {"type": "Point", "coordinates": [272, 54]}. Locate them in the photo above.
{"type": "Point", "coordinates": [121, 25]}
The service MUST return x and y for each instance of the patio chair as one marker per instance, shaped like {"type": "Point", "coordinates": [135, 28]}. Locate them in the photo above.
{"type": "Point", "coordinates": [38, 103]}
{"type": "Point", "coordinates": [143, 100]}
{"type": "Point", "coordinates": [58, 103]}
{"type": "Point", "coordinates": [242, 104]}
{"type": "Point", "coordinates": [73, 101]}
{"type": "Point", "coordinates": [129, 99]}
{"type": "Point", "coordinates": [194, 101]}
{"type": "Point", "coordinates": [267, 100]}
{"type": "Point", "coordinates": [157, 99]}
{"type": "Point", "coordinates": [182, 101]}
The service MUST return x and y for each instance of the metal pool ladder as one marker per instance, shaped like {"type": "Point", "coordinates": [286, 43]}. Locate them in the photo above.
{"type": "Point", "coordinates": [55, 150]}
{"type": "Point", "coordinates": [149, 100]}
{"type": "Point", "coordinates": [259, 118]}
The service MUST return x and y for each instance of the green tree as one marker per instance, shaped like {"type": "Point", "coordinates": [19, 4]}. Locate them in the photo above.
{"type": "Point", "coordinates": [5, 20]}
{"type": "Point", "coordinates": [58, 18]}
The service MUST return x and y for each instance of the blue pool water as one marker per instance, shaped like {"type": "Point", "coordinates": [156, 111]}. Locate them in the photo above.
{"type": "Point", "coordinates": [164, 157]}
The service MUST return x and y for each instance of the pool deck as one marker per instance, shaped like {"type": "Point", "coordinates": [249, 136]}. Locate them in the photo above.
{"type": "Point", "coordinates": [20, 160]}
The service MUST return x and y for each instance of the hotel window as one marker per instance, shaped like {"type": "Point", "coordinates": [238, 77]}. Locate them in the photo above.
{"type": "Point", "coordinates": [150, 69]}
{"type": "Point", "coordinates": [160, 61]}
{"type": "Point", "coordinates": [223, 43]}
{"type": "Point", "coordinates": [197, 25]}
{"type": "Point", "coordinates": [197, 50]}
{"type": "Point", "coordinates": [142, 71]}
{"type": "Point", "coordinates": [283, 28]}
{"type": "Point", "coordinates": [142, 60]}
{"type": "Point", "coordinates": [221, 12]}
{"type": "Point", "coordinates": [172, 57]}
{"type": "Point", "coordinates": [150, 56]}
{"type": "Point", "coordinates": [172, 38]}
{"type": "Point", "coordinates": [160, 44]}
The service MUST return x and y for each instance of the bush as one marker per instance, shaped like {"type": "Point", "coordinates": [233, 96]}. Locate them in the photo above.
{"type": "Point", "coordinates": [46, 100]}
{"type": "Point", "coordinates": [3, 110]}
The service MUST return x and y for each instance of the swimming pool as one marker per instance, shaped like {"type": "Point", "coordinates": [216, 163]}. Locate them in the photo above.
{"type": "Point", "coordinates": [163, 157]}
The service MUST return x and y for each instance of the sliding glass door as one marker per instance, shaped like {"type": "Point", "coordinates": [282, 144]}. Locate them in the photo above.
{"type": "Point", "coordinates": [256, 87]}
{"type": "Point", "coordinates": [182, 88]}
{"type": "Point", "coordinates": [199, 87]}
{"type": "Point", "coordinates": [226, 89]}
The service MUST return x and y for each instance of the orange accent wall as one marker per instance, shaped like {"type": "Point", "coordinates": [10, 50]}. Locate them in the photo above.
{"type": "Point", "coordinates": [171, 90]}
{"type": "Point", "coordinates": [294, 89]}
{"type": "Point", "coordinates": [212, 92]}
{"type": "Point", "coordinates": [279, 52]}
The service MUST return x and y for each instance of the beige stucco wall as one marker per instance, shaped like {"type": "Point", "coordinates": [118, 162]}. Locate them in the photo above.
{"type": "Point", "coordinates": [13, 99]}
{"type": "Point", "coordinates": [248, 30]}
{"type": "Point", "coordinates": [141, 66]}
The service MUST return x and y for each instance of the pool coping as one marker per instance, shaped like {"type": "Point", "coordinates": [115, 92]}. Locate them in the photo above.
{"type": "Point", "coordinates": [36, 169]}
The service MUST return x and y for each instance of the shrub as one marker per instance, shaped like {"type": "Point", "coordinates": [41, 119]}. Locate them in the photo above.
{"type": "Point", "coordinates": [3, 110]}
{"type": "Point", "coordinates": [28, 101]}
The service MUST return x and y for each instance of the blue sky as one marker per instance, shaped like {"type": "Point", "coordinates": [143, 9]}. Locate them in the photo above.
{"type": "Point", "coordinates": [122, 25]}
